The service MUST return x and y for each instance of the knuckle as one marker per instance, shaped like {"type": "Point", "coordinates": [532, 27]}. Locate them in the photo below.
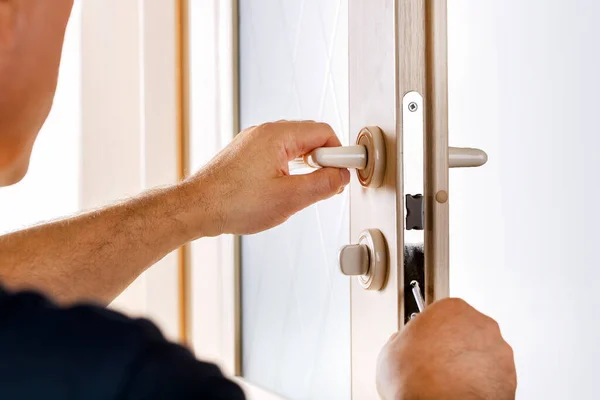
{"type": "Point", "coordinates": [249, 129]}
{"type": "Point", "coordinates": [510, 352]}
{"type": "Point", "coordinates": [326, 127]}
{"type": "Point", "coordinates": [492, 324]}
{"type": "Point", "coordinates": [453, 304]}
{"type": "Point", "coordinates": [266, 126]}
{"type": "Point", "coordinates": [394, 337]}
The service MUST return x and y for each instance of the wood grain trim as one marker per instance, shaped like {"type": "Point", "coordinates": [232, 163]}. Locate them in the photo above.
{"type": "Point", "coordinates": [436, 159]}
{"type": "Point", "coordinates": [372, 101]}
{"type": "Point", "coordinates": [228, 126]}
{"type": "Point", "coordinates": [183, 125]}
{"type": "Point", "coordinates": [396, 48]}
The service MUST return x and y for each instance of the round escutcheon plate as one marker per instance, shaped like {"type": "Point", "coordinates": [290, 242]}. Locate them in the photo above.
{"type": "Point", "coordinates": [376, 276]}
{"type": "Point", "coordinates": [372, 175]}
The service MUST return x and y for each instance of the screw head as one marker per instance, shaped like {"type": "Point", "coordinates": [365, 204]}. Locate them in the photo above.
{"type": "Point", "coordinates": [412, 106]}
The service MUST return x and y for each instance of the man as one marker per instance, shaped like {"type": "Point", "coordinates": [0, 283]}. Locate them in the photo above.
{"type": "Point", "coordinates": [79, 351]}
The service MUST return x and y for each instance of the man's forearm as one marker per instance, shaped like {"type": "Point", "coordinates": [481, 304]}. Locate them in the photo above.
{"type": "Point", "coordinates": [245, 189]}
{"type": "Point", "coordinates": [96, 255]}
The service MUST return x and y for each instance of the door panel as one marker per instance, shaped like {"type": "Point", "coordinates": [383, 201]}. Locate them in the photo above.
{"type": "Point", "coordinates": [295, 305]}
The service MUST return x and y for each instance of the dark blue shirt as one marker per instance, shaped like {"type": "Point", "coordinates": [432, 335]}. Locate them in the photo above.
{"type": "Point", "coordinates": [91, 353]}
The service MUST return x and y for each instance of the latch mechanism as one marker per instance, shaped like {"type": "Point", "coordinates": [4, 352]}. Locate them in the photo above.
{"type": "Point", "coordinates": [415, 212]}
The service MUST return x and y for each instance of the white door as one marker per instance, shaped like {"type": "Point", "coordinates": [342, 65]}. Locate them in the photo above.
{"type": "Point", "coordinates": [274, 309]}
{"type": "Point", "coordinates": [524, 84]}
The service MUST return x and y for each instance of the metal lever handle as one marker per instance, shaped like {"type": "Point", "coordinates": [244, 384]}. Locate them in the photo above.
{"type": "Point", "coordinates": [459, 157]}
{"type": "Point", "coordinates": [337, 157]}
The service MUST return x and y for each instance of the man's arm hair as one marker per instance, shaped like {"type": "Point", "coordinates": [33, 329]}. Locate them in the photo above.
{"type": "Point", "coordinates": [244, 190]}
{"type": "Point", "coordinates": [96, 255]}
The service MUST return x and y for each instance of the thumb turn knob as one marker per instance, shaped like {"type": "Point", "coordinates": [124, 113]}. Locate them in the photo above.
{"type": "Point", "coordinates": [354, 259]}
{"type": "Point", "coordinates": [367, 260]}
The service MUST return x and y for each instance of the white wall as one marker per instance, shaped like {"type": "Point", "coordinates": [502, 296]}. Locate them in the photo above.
{"type": "Point", "coordinates": [524, 86]}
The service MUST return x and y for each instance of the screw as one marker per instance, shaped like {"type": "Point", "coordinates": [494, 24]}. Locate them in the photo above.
{"type": "Point", "coordinates": [412, 106]}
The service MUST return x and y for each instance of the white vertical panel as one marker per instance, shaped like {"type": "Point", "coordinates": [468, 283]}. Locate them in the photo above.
{"type": "Point", "coordinates": [213, 123]}
{"type": "Point", "coordinates": [111, 91]}
{"type": "Point", "coordinates": [130, 126]}
{"type": "Point", "coordinates": [161, 152]}
{"type": "Point", "coordinates": [205, 140]}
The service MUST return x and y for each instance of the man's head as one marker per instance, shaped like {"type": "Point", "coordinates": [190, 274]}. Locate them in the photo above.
{"type": "Point", "coordinates": [31, 38]}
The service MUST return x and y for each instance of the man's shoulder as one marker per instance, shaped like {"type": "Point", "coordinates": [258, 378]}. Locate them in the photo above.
{"type": "Point", "coordinates": [84, 351]}
{"type": "Point", "coordinates": [30, 321]}
{"type": "Point", "coordinates": [68, 349]}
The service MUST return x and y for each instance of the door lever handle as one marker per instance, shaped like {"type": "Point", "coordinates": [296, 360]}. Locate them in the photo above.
{"type": "Point", "coordinates": [459, 157]}
{"type": "Point", "coordinates": [367, 156]}
{"type": "Point", "coordinates": [338, 157]}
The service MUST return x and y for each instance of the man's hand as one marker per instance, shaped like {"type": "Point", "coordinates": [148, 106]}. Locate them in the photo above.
{"type": "Point", "coordinates": [450, 351]}
{"type": "Point", "coordinates": [247, 187]}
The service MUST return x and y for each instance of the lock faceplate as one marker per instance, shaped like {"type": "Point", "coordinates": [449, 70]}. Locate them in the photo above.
{"type": "Point", "coordinates": [413, 136]}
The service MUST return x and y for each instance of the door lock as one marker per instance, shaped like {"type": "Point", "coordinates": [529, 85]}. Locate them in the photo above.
{"type": "Point", "coordinates": [367, 260]}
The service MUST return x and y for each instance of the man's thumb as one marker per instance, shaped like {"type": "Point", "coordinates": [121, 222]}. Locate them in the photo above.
{"type": "Point", "coordinates": [316, 186]}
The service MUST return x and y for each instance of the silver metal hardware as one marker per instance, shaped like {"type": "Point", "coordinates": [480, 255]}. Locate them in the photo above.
{"type": "Point", "coordinates": [416, 289]}
{"type": "Point", "coordinates": [413, 135]}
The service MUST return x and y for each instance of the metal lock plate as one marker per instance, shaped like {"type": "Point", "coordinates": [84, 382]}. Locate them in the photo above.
{"type": "Point", "coordinates": [413, 136]}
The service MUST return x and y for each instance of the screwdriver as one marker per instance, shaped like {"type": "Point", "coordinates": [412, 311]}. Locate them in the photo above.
{"type": "Point", "coordinates": [416, 289]}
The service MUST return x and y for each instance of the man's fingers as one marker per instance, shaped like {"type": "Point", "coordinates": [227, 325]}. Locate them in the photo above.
{"type": "Point", "coordinates": [302, 191]}
{"type": "Point", "coordinates": [303, 137]}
